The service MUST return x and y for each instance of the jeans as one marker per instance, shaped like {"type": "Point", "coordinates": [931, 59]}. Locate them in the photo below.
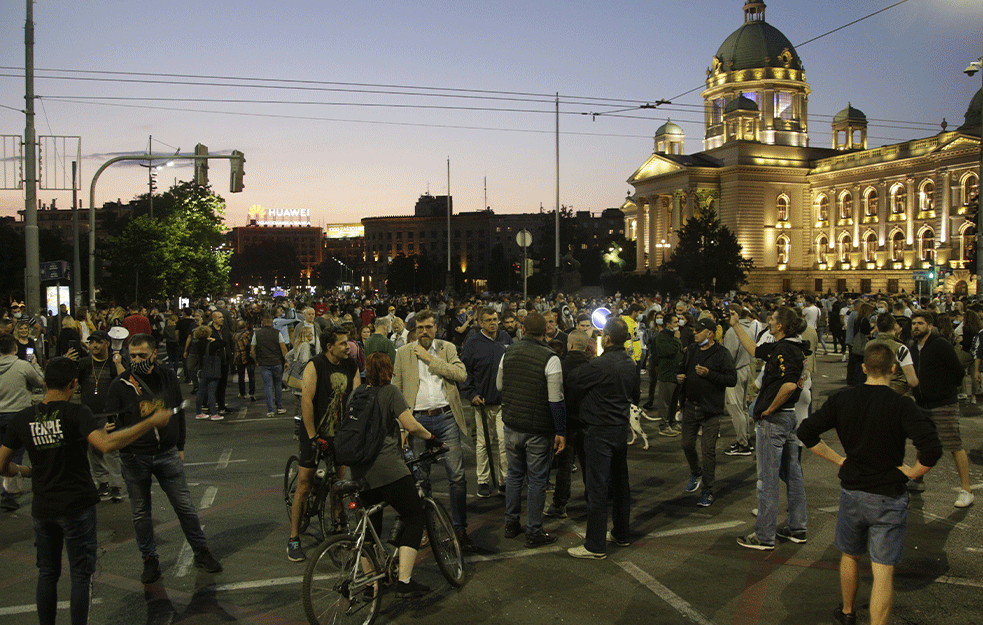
{"type": "Point", "coordinates": [564, 464]}
{"type": "Point", "coordinates": [777, 450]}
{"type": "Point", "coordinates": [663, 395]}
{"type": "Point", "coordinates": [607, 463]}
{"type": "Point", "coordinates": [244, 369]}
{"type": "Point", "coordinates": [169, 471]}
{"type": "Point", "coordinates": [105, 467]}
{"type": "Point", "coordinates": [17, 458]}
{"type": "Point", "coordinates": [735, 401]}
{"type": "Point", "coordinates": [206, 391]}
{"type": "Point", "coordinates": [530, 456]}
{"type": "Point", "coordinates": [492, 417]}
{"type": "Point", "coordinates": [78, 533]}
{"type": "Point", "coordinates": [223, 382]}
{"type": "Point", "coordinates": [693, 420]}
{"type": "Point", "coordinates": [272, 383]}
{"type": "Point", "coordinates": [173, 356]}
{"type": "Point", "coordinates": [445, 428]}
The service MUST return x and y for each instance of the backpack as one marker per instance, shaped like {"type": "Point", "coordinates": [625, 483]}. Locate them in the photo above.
{"type": "Point", "coordinates": [362, 431]}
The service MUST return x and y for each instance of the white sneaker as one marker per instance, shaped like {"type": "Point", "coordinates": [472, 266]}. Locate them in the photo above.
{"type": "Point", "coordinates": [201, 416]}
{"type": "Point", "coordinates": [965, 499]}
{"type": "Point", "coordinates": [754, 512]}
{"type": "Point", "coordinates": [281, 411]}
{"type": "Point", "coordinates": [584, 554]}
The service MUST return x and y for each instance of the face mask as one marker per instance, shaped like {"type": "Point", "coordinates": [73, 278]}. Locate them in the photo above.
{"type": "Point", "coordinates": [682, 322]}
{"type": "Point", "coordinates": [18, 315]}
{"type": "Point", "coordinates": [799, 304]}
{"type": "Point", "coordinates": [704, 342]}
{"type": "Point", "coordinates": [659, 321]}
{"type": "Point", "coordinates": [882, 310]}
{"type": "Point", "coordinates": [955, 322]}
{"type": "Point", "coordinates": [142, 367]}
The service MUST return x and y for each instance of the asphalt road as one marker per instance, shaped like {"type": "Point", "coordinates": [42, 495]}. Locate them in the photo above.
{"type": "Point", "coordinates": [684, 565]}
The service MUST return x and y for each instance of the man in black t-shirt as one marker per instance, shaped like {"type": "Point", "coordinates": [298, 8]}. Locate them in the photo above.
{"type": "Point", "coordinates": [95, 373]}
{"type": "Point", "coordinates": [55, 434]}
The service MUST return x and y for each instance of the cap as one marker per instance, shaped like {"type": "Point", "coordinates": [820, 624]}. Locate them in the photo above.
{"type": "Point", "coordinates": [99, 335]}
{"type": "Point", "coordinates": [706, 324]}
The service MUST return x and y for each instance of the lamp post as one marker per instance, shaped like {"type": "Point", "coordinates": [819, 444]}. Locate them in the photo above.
{"type": "Point", "coordinates": [971, 70]}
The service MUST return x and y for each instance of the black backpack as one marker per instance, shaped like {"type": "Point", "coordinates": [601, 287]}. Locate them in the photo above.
{"type": "Point", "coordinates": [362, 430]}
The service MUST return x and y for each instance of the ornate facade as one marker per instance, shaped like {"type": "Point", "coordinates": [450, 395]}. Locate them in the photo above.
{"type": "Point", "coordinates": [845, 218]}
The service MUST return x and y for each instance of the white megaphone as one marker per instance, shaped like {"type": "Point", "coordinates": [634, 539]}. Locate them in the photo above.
{"type": "Point", "coordinates": [118, 334]}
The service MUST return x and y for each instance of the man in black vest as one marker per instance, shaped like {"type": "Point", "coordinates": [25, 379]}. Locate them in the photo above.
{"type": "Point", "coordinates": [268, 350]}
{"type": "Point", "coordinates": [531, 380]}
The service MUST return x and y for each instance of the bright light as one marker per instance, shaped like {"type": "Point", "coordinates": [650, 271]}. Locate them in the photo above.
{"type": "Point", "coordinates": [599, 317]}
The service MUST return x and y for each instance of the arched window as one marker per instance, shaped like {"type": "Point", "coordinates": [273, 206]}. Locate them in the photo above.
{"type": "Point", "coordinates": [897, 246]}
{"type": "Point", "coordinates": [822, 208]}
{"type": "Point", "coordinates": [782, 248]}
{"type": "Point", "coordinates": [845, 243]}
{"type": "Point", "coordinates": [899, 200]}
{"type": "Point", "coordinates": [970, 187]}
{"type": "Point", "coordinates": [822, 250]}
{"type": "Point", "coordinates": [870, 247]}
{"type": "Point", "coordinates": [926, 196]}
{"type": "Point", "coordinates": [870, 202]}
{"type": "Point", "coordinates": [846, 205]}
{"type": "Point", "coordinates": [782, 208]}
{"type": "Point", "coordinates": [927, 245]}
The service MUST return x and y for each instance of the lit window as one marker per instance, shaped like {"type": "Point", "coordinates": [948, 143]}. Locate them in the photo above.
{"type": "Point", "coordinates": [870, 203]}
{"type": "Point", "coordinates": [845, 243]}
{"type": "Point", "coordinates": [782, 208]}
{"type": "Point", "coordinates": [846, 206]}
{"type": "Point", "coordinates": [782, 247]}
{"type": "Point", "coordinates": [926, 197]}
{"type": "Point", "coordinates": [927, 245]}
{"type": "Point", "coordinates": [897, 246]}
{"type": "Point", "coordinates": [822, 250]}
{"type": "Point", "coordinates": [783, 105]}
{"type": "Point", "coordinates": [970, 188]}
{"type": "Point", "coordinates": [899, 199]}
{"type": "Point", "coordinates": [822, 208]}
{"type": "Point", "coordinates": [870, 247]}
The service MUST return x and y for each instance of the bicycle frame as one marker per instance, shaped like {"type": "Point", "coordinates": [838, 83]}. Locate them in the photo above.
{"type": "Point", "coordinates": [362, 531]}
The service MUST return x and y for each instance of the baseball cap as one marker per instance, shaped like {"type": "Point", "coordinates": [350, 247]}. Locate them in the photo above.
{"type": "Point", "coordinates": [99, 335]}
{"type": "Point", "coordinates": [706, 324]}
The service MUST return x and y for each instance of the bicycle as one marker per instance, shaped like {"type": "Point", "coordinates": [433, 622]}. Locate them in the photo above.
{"type": "Point", "coordinates": [344, 579]}
{"type": "Point", "coordinates": [318, 496]}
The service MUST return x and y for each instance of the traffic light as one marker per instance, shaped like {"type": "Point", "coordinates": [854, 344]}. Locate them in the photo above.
{"type": "Point", "coordinates": [153, 180]}
{"type": "Point", "coordinates": [201, 166]}
{"type": "Point", "coordinates": [238, 171]}
{"type": "Point", "coordinates": [516, 267]}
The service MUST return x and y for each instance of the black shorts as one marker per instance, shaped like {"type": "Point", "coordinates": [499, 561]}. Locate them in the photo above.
{"type": "Point", "coordinates": [307, 459]}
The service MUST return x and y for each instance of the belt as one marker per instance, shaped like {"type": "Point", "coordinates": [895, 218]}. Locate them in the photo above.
{"type": "Point", "coordinates": [432, 413]}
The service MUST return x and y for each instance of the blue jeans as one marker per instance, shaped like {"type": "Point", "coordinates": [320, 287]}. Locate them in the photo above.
{"type": "Point", "coordinates": [445, 428]}
{"type": "Point", "coordinates": [607, 463]}
{"type": "Point", "coordinates": [5, 418]}
{"type": "Point", "coordinates": [530, 456]}
{"type": "Point", "coordinates": [272, 383]}
{"type": "Point", "coordinates": [693, 420]}
{"type": "Point", "coordinates": [777, 450]}
{"type": "Point", "coordinates": [206, 394]}
{"type": "Point", "coordinates": [78, 533]}
{"type": "Point", "coordinates": [169, 471]}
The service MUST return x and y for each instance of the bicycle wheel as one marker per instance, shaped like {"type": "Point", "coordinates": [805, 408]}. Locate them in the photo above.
{"type": "Point", "coordinates": [331, 575]}
{"type": "Point", "coordinates": [290, 487]}
{"type": "Point", "coordinates": [443, 542]}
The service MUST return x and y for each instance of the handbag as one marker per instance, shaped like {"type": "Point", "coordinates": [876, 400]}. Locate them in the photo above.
{"type": "Point", "coordinates": [211, 365]}
{"type": "Point", "coordinates": [294, 377]}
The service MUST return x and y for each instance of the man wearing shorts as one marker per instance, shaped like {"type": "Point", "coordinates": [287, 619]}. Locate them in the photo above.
{"type": "Point", "coordinates": [873, 423]}
{"type": "Point", "coordinates": [939, 376]}
{"type": "Point", "coordinates": [329, 379]}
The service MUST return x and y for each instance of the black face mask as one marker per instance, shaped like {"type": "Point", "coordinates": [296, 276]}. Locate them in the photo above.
{"type": "Point", "coordinates": [142, 367]}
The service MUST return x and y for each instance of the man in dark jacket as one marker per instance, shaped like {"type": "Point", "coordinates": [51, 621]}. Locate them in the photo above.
{"type": "Point", "coordinates": [705, 372]}
{"type": "Point", "coordinates": [136, 393]}
{"type": "Point", "coordinates": [481, 355]}
{"type": "Point", "coordinates": [608, 386]}
{"type": "Point", "coordinates": [577, 356]}
{"type": "Point", "coordinates": [531, 380]}
{"type": "Point", "coordinates": [220, 329]}
{"type": "Point", "coordinates": [939, 376]}
{"type": "Point", "coordinates": [668, 353]}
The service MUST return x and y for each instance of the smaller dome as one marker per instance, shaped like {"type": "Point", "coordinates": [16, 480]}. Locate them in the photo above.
{"type": "Point", "coordinates": [850, 114]}
{"type": "Point", "coordinates": [742, 103]}
{"type": "Point", "coordinates": [669, 128]}
{"type": "Point", "coordinates": [972, 119]}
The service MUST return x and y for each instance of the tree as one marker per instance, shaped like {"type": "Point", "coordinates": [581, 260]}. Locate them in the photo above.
{"type": "Point", "coordinates": [706, 251]}
{"type": "Point", "coordinates": [180, 252]}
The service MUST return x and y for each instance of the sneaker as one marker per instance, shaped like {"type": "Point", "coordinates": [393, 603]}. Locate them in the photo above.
{"type": "Point", "coordinates": [556, 512]}
{"type": "Point", "coordinates": [844, 619]}
{"type": "Point", "coordinates": [242, 396]}
{"type": "Point", "coordinates": [201, 415]}
{"type": "Point", "coordinates": [205, 560]}
{"type": "Point", "coordinates": [582, 553]}
{"type": "Point", "coordinates": [151, 570]}
{"type": "Point", "coordinates": [295, 553]}
{"type": "Point", "coordinates": [693, 483]}
{"type": "Point", "coordinates": [216, 417]}
{"type": "Point", "coordinates": [618, 541]}
{"type": "Point", "coordinates": [539, 539]}
{"type": "Point", "coordinates": [678, 427]}
{"type": "Point", "coordinates": [668, 431]}
{"type": "Point", "coordinates": [116, 494]}
{"type": "Point", "coordinates": [8, 503]}
{"type": "Point", "coordinates": [738, 450]}
{"type": "Point", "coordinates": [410, 589]}
{"type": "Point", "coordinates": [252, 398]}
{"type": "Point", "coordinates": [103, 491]}
{"type": "Point", "coordinates": [465, 541]}
{"type": "Point", "coordinates": [751, 542]}
{"type": "Point", "coordinates": [965, 499]}
{"type": "Point", "coordinates": [754, 512]}
{"type": "Point", "coordinates": [513, 529]}
{"type": "Point", "coordinates": [796, 536]}
{"type": "Point", "coordinates": [281, 411]}
{"type": "Point", "coordinates": [271, 415]}
{"type": "Point", "coordinates": [915, 486]}
{"type": "Point", "coordinates": [484, 491]}
{"type": "Point", "coordinates": [706, 498]}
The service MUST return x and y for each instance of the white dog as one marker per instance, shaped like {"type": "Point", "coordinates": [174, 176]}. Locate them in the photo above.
{"type": "Point", "coordinates": [635, 420]}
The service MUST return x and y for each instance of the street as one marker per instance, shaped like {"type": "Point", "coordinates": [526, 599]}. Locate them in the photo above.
{"type": "Point", "coordinates": [684, 565]}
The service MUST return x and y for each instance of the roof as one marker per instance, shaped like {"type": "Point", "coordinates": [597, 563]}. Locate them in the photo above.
{"type": "Point", "coordinates": [850, 114]}
{"type": "Point", "coordinates": [757, 44]}
{"type": "Point", "coordinates": [972, 119]}
{"type": "Point", "coordinates": [669, 128]}
{"type": "Point", "coordinates": [742, 103]}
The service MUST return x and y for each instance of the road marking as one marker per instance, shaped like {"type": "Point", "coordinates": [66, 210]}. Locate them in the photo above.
{"type": "Point", "coordinates": [674, 600]}
{"type": "Point", "coordinates": [27, 608]}
{"type": "Point", "coordinates": [208, 498]}
{"type": "Point", "coordinates": [829, 509]}
{"type": "Point", "coordinates": [201, 464]}
{"type": "Point", "coordinates": [511, 555]}
{"type": "Point", "coordinates": [958, 581]}
{"type": "Point", "coordinates": [696, 529]}
{"type": "Point", "coordinates": [223, 460]}
{"type": "Point", "coordinates": [242, 412]}
{"type": "Point", "coordinates": [942, 519]}
{"type": "Point", "coordinates": [186, 557]}
{"type": "Point", "coordinates": [260, 583]}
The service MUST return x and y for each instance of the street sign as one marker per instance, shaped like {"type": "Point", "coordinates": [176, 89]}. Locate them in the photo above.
{"type": "Point", "coordinates": [921, 275]}
{"type": "Point", "coordinates": [55, 270]}
{"type": "Point", "coordinates": [523, 238]}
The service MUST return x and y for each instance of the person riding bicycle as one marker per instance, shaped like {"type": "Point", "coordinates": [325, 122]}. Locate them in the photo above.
{"type": "Point", "coordinates": [387, 476]}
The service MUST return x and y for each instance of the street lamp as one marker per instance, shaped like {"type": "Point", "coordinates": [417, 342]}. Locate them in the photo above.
{"type": "Point", "coordinates": [971, 70]}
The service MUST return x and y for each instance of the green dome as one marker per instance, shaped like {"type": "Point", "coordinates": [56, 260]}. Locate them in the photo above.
{"type": "Point", "coordinates": [850, 114]}
{"type": "Point", "coordinates": [742, 103]}
{"type": "Point", "coordinates": [757, 44]}
{"type": "Point", "coordinates": [973, 112]}
{"type": "Point", "coordinates": [669, 128]}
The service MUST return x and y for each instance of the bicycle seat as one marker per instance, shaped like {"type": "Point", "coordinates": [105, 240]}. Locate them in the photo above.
{"type": "Point", "coordinates": [347, 487]}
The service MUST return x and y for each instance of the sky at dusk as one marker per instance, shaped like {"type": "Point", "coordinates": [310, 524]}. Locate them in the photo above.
{"type": "Point", "coordinates": [352, 109]}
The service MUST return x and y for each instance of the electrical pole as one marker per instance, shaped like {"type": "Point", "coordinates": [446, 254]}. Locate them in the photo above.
{"type": "Point", "coordinates": [76, 263]}
{"type": "Point", "coordinates": [556, 233]}
{"type": "Point", "coordinates": [32, 298]}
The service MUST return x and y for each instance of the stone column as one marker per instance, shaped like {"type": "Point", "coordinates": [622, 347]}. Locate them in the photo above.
{"type": "Point", "coordinates": [653, 233]}
{"type": "Point", "coordinates": [883, 210]}
{"type": "Point", "coordinates": [855, 191]}
{"type": "Point", "coordinates": [690, 193]}
{"type": "Point", "coordinates": [910, 201]}
{"type": "Point", "coordinates": [640, 218]}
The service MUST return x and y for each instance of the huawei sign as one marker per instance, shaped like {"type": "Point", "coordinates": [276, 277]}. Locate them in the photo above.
{"type": "Point", "coordinates": [257, 212]}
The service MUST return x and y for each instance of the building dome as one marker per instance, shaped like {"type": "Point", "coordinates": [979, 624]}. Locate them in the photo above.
{"type": "Point", "coordinates": [741, 103]}
{"type": "Point", "coordinates": [973, 112]}
{"type": "Point", "coordinates": [669, 128]}
{"type": "Point", "coordinates": [754, 45]}
{"type": "Point", "coordinates": [850, 114]}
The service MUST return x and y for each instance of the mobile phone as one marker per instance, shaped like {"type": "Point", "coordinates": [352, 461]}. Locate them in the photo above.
{"type": "Point", "coordinates": [73, 345]}
{"type": "Point", "coordinates": [28, 353]}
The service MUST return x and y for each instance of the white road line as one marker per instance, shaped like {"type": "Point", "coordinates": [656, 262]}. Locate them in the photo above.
{"type": "Point", "coordinates": [260, 583]}
{"type": "Point", "coordinates": [24, 609]}
{"type": "Point", "coordinates": [829, 509]}
{"type": "Point", "coordinates": [267, 419]}
{"type": "Point", "coordinates": [511, 555]}
{"type": "Point", "coordinates": [201, 464]}
{"type": "Point", "coordinates": [242, 412]}
{"type": "Point", "coordinates": [942, 519]}
{"type": "Point", "coordinates": [675, 601]}
{"type": "Point", "coordinates": [696, 529]}
{"type": "Point", "coordinates": [183, 566]}
{"type": "Point", "coordinates": [208, 498]}
{"type": "Point", "coordinates": [959, 581]}
{"type": "Point", "coordinates": [223, 460]}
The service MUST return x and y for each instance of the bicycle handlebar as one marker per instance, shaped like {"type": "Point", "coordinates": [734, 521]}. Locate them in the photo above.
{"type": "Point", "coordinates": [428, 456]}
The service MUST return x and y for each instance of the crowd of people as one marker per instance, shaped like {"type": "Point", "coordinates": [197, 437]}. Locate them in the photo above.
{"type": "Point", "coordinates": [542, 385]}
